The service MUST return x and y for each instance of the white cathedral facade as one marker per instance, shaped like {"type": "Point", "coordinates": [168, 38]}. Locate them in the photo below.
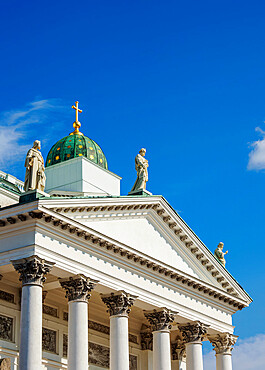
{"type": "Point", "coordinates": [93, 279]}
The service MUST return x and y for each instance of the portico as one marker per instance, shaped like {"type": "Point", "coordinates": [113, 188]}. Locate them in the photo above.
{"type": "Point", "coordinates": [179, 302]}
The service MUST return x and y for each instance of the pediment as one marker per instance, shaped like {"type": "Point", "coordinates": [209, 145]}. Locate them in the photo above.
{"type": "Point", "coordinates": [150, 226]}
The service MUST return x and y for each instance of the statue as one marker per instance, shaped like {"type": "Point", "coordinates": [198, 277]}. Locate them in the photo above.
{"type": "Point", "coordinates": [34, 163]}
{"type": "Point", "coordinates": [219, 254]}
{"type": "Point", "coordinates": [141, 165]}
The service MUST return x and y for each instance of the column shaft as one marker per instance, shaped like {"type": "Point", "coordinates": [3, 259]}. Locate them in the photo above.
{"type": "Point", "coordinates": [119, 342]}
{"type": "Point", "coordinates": [30, 353]}
{"type": "Point", "coordinates": [78, 335]}
{"type": "Point", "coordinates": [223, 361]}
{"type": "Point", "coordinates": [194, 356]}
{"type": "Point", "coordinates": [161, 350]}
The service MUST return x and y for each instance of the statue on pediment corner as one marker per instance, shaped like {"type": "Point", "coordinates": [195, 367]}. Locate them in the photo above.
{"type": "Point", "coordinates": [219, 254]}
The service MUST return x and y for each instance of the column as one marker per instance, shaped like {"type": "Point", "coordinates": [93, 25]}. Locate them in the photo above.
{"type": "Point", "coordinates": [223, 345]}
{"type": "Point", "coordinates": [160, 322]}
{"type": "Point", "coordinates": [119, 304]}
{"type": "Point", "coordinates": [193, 333]}
{"type": "Point", "coordinates": [32, 272]}
{"type": "Point", "coordinates": [178, 352]}
{"type": "Point", "coordinates": [147, 348]}
{"type": "Point", "coordinates": [78, 290]}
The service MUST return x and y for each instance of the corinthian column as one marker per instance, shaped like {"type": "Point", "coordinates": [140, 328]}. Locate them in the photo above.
{"type": "Point", "coordinates": [193, 333]}
{"type": "Point", "coordinates": [78, 290]}
{"type": "Point", "coordinates": [223, 344]}
{"type": "Point", "coordinates": [160, 322]}
{"type": "Point", "coordinates": [32, 272]}
{"type": "Point", "coordinates": [119, 304]}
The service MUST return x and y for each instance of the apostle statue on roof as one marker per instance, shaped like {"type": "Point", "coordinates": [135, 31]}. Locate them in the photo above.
{"type": "Point", "coordinates": [141, 165]}
{"type": "Point", "coordinates": [219, 254]}
{"type": "Point", "coordinates": [34, 163]}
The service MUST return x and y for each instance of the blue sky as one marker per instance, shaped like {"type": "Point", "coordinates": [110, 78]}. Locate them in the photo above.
{"type": "Point", "coordinates": [183, 79]}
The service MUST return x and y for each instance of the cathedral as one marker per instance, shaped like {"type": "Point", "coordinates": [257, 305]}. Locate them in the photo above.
{"type": "Point", "coordinates": [92, 279]}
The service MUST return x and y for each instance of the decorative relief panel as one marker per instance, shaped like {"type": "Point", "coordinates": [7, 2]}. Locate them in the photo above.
{"type": "Point", "coordinates": [5, 364]}
{"type": "Point", "coordinates": [6, 328]}
{"type": "Point", "coordinates": [49, 340]}
{"type": "Point", "coordinates": [99, 355]}
{"type": "Point", "coordinates": [48, 310]}
{"type": "Point", "coordinates": [65, 316]}
{"type": "Point", "coordinates": [65, 344]}
{"type": "Point", "coordinates": [8, 297]}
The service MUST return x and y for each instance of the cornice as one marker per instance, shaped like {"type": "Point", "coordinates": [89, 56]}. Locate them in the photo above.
{"type": "Point", "coordinates": [101, 241]}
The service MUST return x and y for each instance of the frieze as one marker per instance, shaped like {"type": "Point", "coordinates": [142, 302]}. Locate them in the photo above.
{"type": "Point", "coordinates": [48, 310]}
{"type": "Point", "coordinates": [193, 332]}
{"type": "Point", "coordinates": [8, 297]}
{"type": "Point", "coordinates": [118, 303]}
{"type": "Point", "coordinates": [223, 343]}
{"type": "Point", "coordinates": [160, 319]}
{"type": "Point", "coordinates": [32, 270]}
{"type": "Point", "coordinates": [78, 287]}
{"type": "Point", "coordinates": [49, 340]}
{"type": "Point", "coordinates": [6, 328]}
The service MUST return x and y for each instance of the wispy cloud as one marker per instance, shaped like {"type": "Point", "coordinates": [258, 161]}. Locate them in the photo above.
{"type": "Point", "coordinates": [257, 154]}
{"type": "Point", "coordinates": [20, 127]}
{"type": "Point", "coordinates": [248, 354]}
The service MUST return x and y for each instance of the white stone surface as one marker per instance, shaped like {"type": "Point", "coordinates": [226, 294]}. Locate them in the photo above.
{"type": "Point", "coordinates": [31, 328]}
{"type": "Point", "coordinates": [119, 343]}
{"type": "Point", "coordinates": [161, 350]}
{"type": "Point", "coordinates": [78, 335]}
{"type": "Point", "coordinates": [82, 176]}
{"type": "Point", "coordinates": [223, 361]}
{"type": "Point", "coordinates": [194, 356]}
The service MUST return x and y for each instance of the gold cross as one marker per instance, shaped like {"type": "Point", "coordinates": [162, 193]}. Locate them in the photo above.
{"type": "Point", "coordinates": [76, 110]}
{"type": "Point", "coordinates": [76, 123]}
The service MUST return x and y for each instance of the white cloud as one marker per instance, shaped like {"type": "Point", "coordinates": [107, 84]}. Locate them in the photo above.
{"type": "Point", "coordinates": [248, 354]}
{"type": "Point", "coordinates": [257, 154]}
{"type": "Point", "coordinates": [17, 128]}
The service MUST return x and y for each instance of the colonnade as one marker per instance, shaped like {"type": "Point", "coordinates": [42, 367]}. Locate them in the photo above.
{"type": "Point", "coordinates": [33, 271]}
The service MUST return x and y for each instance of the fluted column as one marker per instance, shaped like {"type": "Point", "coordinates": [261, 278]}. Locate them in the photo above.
{"type": "Point", "coordinates": [160, 322]}
{"type": "Point", "coordinates": [178, 352]}
{"type": "Point", "coordinates": [78, 290]}
{"type": "Point", "coordinates": [147, 348]}
{"type": "Point", "coordinates": [119, 304]}
{"type": "Point", "coordinates": [193, 333]}
{"type": "Point", "coordinates": [32, 272]}
{"type": "Point", "coordinates": [223, 345]}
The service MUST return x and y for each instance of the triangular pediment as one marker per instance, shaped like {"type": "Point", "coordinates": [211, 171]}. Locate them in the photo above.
{"type": "Point", "coordinates": [151, 227]}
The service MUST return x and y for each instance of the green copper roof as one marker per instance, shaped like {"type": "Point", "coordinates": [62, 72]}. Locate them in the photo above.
{"type": "Point", "coordinates": [76, 145]}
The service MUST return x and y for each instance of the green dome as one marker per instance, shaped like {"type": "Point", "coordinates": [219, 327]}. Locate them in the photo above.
{"type": "Point", "coordinates": [76, 145]}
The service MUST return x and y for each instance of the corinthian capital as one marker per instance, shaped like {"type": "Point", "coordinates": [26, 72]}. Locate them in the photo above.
{"type": "Point", "coordinates": [146, 339]}
{"type": "Point", "coordinates": [160, 319]}
{"type": "Point", "coordinates": [223, 343]}
{"type": "Point", "coordinates": [78, 287]}
{"type": "Point", "coordinates": [32, 270]}
{"type": "Point", "coordinates": [178, 349]}
{"type": "Point", "coordinates": [118, 303]}
{"type": "Point", "coordinates": [193, 332]}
